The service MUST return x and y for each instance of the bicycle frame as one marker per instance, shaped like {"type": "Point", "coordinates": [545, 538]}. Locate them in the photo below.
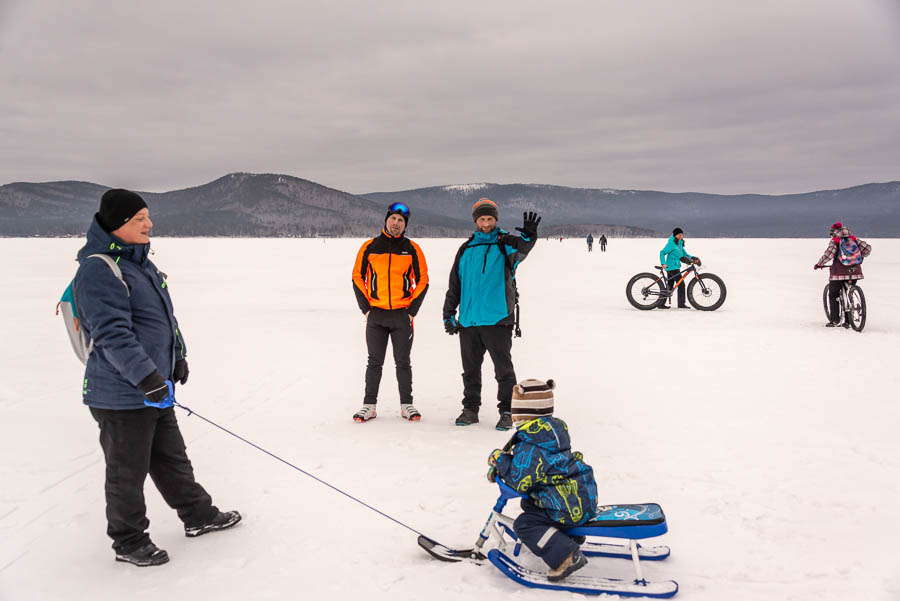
{"type": "Point", "coordinates": [844, 297]}
{"type": "Point", "coordinates": [692, 268]}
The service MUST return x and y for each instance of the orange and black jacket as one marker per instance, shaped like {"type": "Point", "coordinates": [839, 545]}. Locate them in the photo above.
{"type": "Point", "coordinates": [390, 273]}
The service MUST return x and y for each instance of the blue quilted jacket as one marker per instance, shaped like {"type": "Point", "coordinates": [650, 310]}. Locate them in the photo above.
{"type": "Point", "coordinates": [134, 330]}
{"type": "Point", "coordinates": [543, 466]}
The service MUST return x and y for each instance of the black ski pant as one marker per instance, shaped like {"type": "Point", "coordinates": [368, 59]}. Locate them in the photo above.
{"type": "Point", "coordinates": [382, 325]}
{"type": "Point", "coordinates": [834, 302]}
{"type": "Point", "coordinates": [603, 247]}
{"type": "Point", "coordinates": [543, 537]}
{"type": "Point", "coordinates": [590, 247]}
{"type": "Point", "coordinates": [497, 341]}
{"type": "Point", "coordinates": [145, 441]}
{"type": "Point", "coordinates": [673, 277]}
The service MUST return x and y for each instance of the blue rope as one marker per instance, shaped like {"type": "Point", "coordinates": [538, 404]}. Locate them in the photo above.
{"type": "Point", "coordinates": [302, 471]}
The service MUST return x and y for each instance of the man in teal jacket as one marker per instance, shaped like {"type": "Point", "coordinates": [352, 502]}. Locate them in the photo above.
{"type": "Point", "coordinates": [483, 287]}
{"type": "Point", "coordinates": [670, 257]}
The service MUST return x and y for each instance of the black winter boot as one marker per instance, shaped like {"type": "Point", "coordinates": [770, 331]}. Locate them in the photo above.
{"type": "Point", "coordinates": [148, 555]}
{"type": "Point", "coordinates": [220, 522]}
{"type": "Point", "coordinates": [505, 422]}
{"type": "Point", "coordinates": [467, 418]}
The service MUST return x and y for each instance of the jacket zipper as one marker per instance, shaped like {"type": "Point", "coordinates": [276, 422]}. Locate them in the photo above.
{"type": "Point", "coordinates": [390, 252]}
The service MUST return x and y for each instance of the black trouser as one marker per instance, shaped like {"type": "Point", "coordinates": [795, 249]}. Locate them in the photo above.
{"type": "Point", "coordinates": [140, 442]}
{"type": "Point", "coordinates": [590, 247]}
{"type": "Point", "coordinates": [381, 325]}
{"type": "Point", "coordinates": [603, 247]}
{"type": "Point", "coordinates": [834, 302]}
{"type": "Point", "coordinates": [497, 341]}
{"type": "Point", "coordinates": [672, 280]}
{"type": "Point", "coordinates": [543, 537]}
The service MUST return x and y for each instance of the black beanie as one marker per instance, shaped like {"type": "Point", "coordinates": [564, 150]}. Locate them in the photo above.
{"type": "Point", "coordinates": [398, 208]}
{"type": "Point", "coordinates": [676, 231]}
{"type": "Point", "coordinates": [117, 206]}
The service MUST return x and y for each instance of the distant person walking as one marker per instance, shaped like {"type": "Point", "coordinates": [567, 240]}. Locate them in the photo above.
{"type": "Point", "coordinates": [483, 287]}
{"type": "Point", "coordinates": [670, 257]}
{"type": "Point", "coordinates": [138, 353]}
{"type": "Point", "coordinates": [590, 242]}
{"type": "Point", "coordinates": [602, 242]}
{"type": "Point", "coordinates": [846, 253]}
{"type": "Point", "coordinates": [390, 279]}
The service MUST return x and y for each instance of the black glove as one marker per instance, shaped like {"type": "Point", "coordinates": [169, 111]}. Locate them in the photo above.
{"type": "Point", "coordinates": [451, 326]}
{"type": "Point", "coordinates": [181, 372]}
{"type": "Point", "coordinates": [154, 388]}
{"type": "Point", "coordinates": [530, 224]}
{"type": "Point", "coordinates": [697, 260]}
{"type": "Point", "coordinates": [817, 266]}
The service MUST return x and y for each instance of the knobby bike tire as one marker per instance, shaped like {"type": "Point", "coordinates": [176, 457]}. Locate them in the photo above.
{"type": "Point", "coordinates": [826, 303]}
{"type": "Point", "coordinates": [857, 308]}
{"type": "Point", "coordinates": [714, 283]}
{"type": "Point", "coordinates": [645, 280]}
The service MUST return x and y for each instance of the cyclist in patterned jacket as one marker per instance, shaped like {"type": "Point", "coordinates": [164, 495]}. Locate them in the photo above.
{"type": "Point", "coordinates": [840, 272]}
{"type": "Point", "coordinates": [483, 287]}
{"type": "Point", "coordinates": [558, 486]}
{"type": "Point", "coordinates": [390, 279]}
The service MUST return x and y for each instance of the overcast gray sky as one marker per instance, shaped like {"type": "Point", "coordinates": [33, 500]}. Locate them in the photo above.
{"type": "Point", "coordinates": [687, 95]}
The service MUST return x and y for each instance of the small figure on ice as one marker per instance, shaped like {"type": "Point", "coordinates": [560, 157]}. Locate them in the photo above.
{"type": "Point", "coordinates": [846, 253]}
{"type": "Point", "coordinates": [538, 462]}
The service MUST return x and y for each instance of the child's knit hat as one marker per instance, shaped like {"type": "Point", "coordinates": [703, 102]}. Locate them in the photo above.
{"type": "Point", "coordinates": [532, 398]}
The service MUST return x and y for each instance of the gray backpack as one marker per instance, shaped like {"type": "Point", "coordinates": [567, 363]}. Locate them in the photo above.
{"type": "Point", "coordinates": [81, 344]}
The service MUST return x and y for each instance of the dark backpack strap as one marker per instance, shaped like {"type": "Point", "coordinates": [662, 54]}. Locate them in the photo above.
{"type": "Point", "coordinates": [517, 331]}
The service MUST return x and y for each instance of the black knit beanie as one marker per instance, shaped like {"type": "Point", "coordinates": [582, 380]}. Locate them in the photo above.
{"type": "Point", "coordinates": [117, 206]}
{"type": "Point", "coordinates": [398, 208]}
{"type": "Point", "coordinates": [676, 231]}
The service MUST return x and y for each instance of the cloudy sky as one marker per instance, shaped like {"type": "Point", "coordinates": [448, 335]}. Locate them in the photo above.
{"type": "Point", "coordinates": [688, 95]}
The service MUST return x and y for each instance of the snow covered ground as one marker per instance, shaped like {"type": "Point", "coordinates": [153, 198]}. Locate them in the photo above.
{"type": "Point", "coordinates": [770, 441]}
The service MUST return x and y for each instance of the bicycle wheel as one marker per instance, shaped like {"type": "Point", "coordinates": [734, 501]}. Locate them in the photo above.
{"type": "Point", "coordinates": [645, 291]}
{"type": "Point", "coordinates": [710, 295]}
{"type": "Point", "coordinates": [826, 302]}
{"type": "Point", "coordinates": [857, 308]}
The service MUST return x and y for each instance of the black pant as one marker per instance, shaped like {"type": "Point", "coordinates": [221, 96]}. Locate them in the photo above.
{"type": "Point", "coordinates": [381, 325]}
{"type": "Point", "coordinates": [834, 303]}
{"type": "Point", "coordinates": [603, 247]}
{"type": "Point", "coordinates": [672, 280]}
{"type": "Point", "coordinates": [497, 341]}
{"type": "Point", "coordinates": [135, 443]}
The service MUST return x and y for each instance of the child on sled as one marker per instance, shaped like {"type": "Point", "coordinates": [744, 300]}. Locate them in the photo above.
{"type": "Point", "coordinates": [558, 487]}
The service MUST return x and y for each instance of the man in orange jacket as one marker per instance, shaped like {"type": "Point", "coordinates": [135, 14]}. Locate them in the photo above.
{"type": "Point", "coordinates": [390, 279]}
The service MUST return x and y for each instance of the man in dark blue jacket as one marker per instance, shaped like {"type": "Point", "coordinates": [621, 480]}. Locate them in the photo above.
{"type": "Point", "coordinates": [483, 287]}
{"type": "Point", "coordinates": [137, 347]}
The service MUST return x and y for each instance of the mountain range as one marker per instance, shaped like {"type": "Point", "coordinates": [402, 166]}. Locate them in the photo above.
{"type": "Point", "coordinates": [259, 205]}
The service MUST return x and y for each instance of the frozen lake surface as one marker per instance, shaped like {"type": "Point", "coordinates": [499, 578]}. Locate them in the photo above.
{"type": "Point", "coordinates": [770, 441]}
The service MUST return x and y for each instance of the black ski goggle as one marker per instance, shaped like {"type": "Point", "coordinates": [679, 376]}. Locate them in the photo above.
{"type": "Point", "coordinates": [399, 207]}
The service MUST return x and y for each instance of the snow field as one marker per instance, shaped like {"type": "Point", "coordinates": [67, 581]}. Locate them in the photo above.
{"type": "Point", "coordinates": [768, 439]}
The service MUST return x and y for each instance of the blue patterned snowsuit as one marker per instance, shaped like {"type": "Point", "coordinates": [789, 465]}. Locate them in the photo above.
{"type": "Point", "coordinates": [561, 489]}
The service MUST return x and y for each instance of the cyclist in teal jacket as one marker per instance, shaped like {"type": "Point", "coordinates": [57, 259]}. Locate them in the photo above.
{"type": "Point", "coordinates": [670, 258]}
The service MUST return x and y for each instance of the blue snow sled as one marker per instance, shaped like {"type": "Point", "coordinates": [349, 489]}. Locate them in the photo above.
{"type": "Point", "coordinates": [629, 523]}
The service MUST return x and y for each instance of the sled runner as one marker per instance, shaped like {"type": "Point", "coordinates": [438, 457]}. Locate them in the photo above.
{"type": "Point", "coordinates": [625, 522]}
